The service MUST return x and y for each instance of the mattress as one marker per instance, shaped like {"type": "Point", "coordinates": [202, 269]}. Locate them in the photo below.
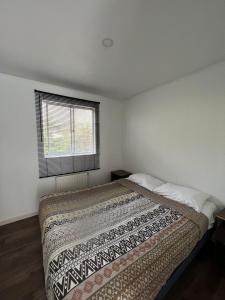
{"type": "Point", "coordinates": [116, 241]}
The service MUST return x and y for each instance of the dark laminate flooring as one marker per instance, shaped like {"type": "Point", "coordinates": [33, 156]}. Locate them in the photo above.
{"type": "Point", "coordinates": [22, 277]}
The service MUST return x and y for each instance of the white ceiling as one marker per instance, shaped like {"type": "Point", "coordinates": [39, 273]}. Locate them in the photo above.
{"type": "Point", "coordinates": [155, 41]}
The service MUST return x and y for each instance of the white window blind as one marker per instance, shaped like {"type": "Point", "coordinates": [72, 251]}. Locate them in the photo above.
{"type": "Point", "coordinates": [68, 134]}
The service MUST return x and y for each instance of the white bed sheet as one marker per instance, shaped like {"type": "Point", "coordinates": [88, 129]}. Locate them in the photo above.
{"type": "Point", "coordinates": [209, 209]}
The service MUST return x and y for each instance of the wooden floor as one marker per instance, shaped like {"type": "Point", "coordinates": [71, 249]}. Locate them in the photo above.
{"type": "Point", "coordinates": [22, 277]}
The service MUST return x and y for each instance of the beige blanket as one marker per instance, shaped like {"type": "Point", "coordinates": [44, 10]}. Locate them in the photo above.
{"type": "Point", "coordinates": [115, 241]}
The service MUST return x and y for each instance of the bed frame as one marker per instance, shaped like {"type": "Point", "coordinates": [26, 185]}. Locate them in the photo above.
{"type": "Point", "coordinates": [183, 266]}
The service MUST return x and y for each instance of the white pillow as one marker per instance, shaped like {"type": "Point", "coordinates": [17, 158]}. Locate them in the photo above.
{"type": "Point", "coordinates": [145, 180]}
{"type": "Point", "coordinates": [185, 195]}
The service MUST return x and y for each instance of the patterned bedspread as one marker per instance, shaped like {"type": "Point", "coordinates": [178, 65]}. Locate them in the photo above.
{"type": "Point", "coordinates": [115, 241]}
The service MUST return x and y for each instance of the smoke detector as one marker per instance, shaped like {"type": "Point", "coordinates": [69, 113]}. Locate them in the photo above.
{"type": "Point", "coordinates": [107, 42]}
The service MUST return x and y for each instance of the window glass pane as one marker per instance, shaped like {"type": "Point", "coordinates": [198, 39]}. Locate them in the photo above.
{"type": "Point", "coordinates": [56, 129]}
{"type": "Point", "coordinates": [84, 131]}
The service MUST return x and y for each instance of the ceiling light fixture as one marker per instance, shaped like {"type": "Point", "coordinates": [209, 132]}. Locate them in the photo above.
{"type": "Point", "coordinates": [107, 42]}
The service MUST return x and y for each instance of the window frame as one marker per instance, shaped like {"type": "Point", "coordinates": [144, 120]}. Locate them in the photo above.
{"type": "Point", "coordinates": [72, 130]}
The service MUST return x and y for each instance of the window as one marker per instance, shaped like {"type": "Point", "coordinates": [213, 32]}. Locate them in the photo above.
{"type": "Point", "coordinates": [68, 134]}
{"type": "Point", "coordinates": [67, 130]}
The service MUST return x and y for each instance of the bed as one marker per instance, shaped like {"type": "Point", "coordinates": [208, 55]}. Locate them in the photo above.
{"type": "Point", "coordinates": [116, 241]}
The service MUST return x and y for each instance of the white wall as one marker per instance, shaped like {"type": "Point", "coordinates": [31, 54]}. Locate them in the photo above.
{"type": "Point", "coordinates": [177, 131]}
{"type": "Point", "coordinates": [20, 186]}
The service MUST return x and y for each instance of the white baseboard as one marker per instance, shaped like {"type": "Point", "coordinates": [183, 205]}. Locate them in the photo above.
{"type": "Point", "coordinates": [12, 220]}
